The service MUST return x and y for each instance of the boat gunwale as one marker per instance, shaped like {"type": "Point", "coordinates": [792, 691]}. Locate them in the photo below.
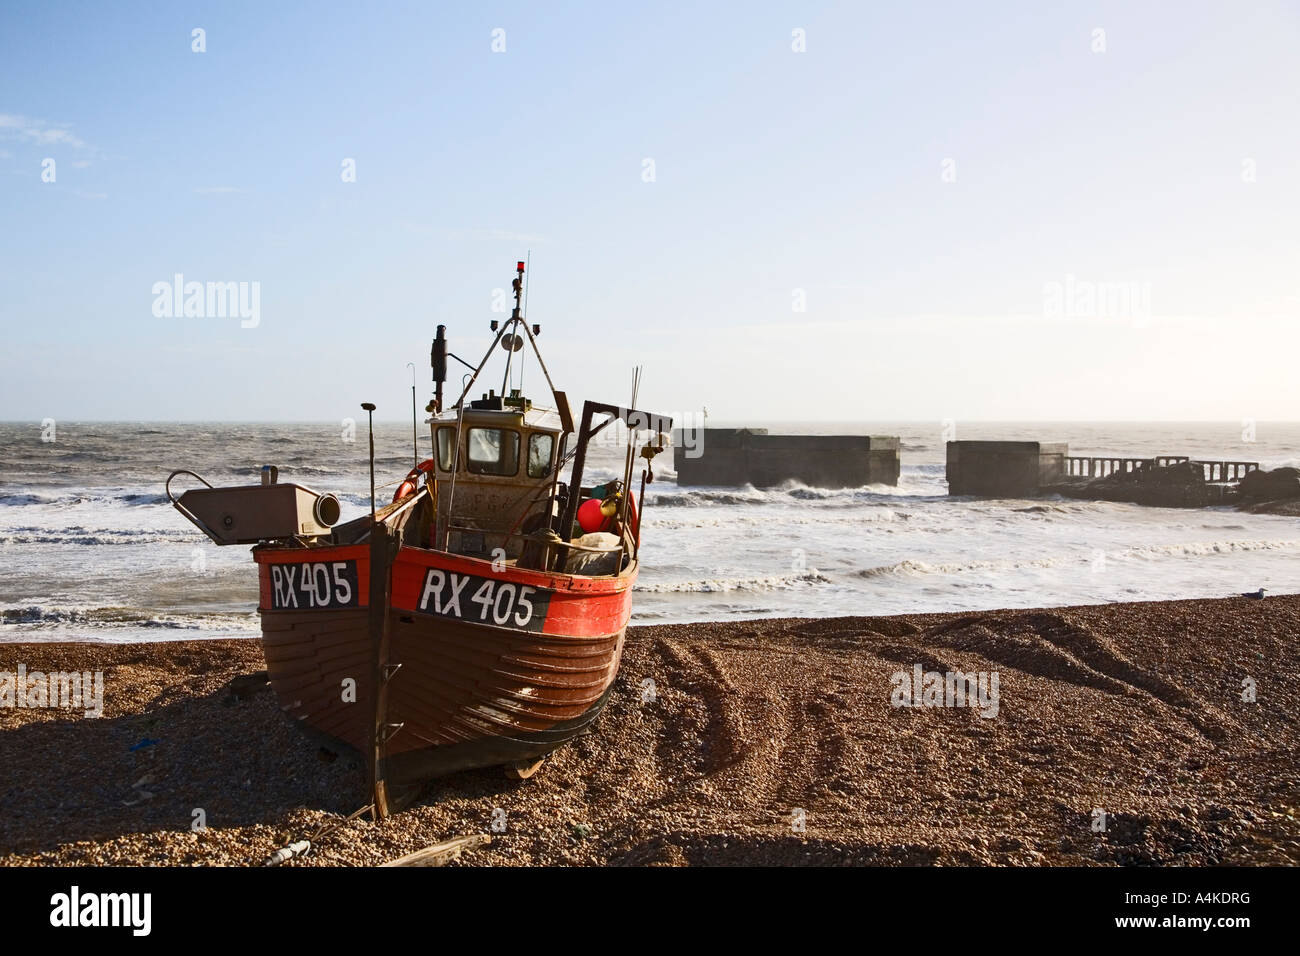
{"type": "Point", "coordinates": [446, 560]}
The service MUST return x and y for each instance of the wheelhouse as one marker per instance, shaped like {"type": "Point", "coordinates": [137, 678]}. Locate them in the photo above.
{"type": "Point", "coordinates": [492, 489]}
{"type": "Point", "coordinates": [500, 476]}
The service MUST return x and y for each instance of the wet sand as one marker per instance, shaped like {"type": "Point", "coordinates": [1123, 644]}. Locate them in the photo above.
{"type": "Point", "coordinates": [763, 742]}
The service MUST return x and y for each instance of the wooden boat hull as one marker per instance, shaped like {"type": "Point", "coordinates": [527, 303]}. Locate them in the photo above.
{"type": "Point", "coordinates": [494, 665]}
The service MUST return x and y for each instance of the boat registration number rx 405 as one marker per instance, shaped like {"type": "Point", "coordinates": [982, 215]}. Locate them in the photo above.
{"type": "Point", "coordinates": [467, 597]}
{"type": "Point", "coordinates": [314, 584]}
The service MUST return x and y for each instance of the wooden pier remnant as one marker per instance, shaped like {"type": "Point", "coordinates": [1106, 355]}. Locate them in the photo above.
{"type": "Point", "coordinates": [733, 457]}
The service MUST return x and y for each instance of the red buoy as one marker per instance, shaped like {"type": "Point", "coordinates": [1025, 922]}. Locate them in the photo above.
{"type": "Point", "coordinates": [590, 517]}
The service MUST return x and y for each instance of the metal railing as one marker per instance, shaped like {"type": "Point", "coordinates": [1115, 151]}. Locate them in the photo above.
{"type": "Point", "coordinates": [1087, 466]}
{"type": "Point", "coordinates": [1100, 466]}
{"type": "Point", "coordinates": [1226, 471]}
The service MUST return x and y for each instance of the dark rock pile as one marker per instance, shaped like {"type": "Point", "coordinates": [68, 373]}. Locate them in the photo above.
{"type": "Point", "coordinates": [1180, 485]}
{"type": "Point", "coordinates": [1271, 485]}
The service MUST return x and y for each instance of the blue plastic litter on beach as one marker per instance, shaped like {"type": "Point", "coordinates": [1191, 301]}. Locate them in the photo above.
{"type": "Point", "coordinates": [144, 742]}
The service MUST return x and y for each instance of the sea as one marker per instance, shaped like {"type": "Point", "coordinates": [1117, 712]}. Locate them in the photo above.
{"type": "Point", "coordinates": [90, 549]}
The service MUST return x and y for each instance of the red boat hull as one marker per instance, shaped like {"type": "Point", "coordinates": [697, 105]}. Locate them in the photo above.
{"type": "Point", "coordinates": [497, 665]}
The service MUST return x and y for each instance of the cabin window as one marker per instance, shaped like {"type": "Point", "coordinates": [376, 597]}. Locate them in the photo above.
{"type": "Point", "coordinates": [493, 451]}
{"type": "Point", "coordinates": [446, 448]}
{"type": "Point", "coordinates": [540, 445]}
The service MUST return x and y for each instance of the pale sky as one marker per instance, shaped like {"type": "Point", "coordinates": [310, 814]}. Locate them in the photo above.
{"type": "Point", "coordinates": [793, 211]}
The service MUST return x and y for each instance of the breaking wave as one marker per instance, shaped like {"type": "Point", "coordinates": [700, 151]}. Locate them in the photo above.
{"type": "Point", "coordinates": [1080, 557]}
{"type": "Point", "coordinates": [21, 499]}
{"type": "Point", "coordinates": [773, 582]}
{"type": "Point", "coordinates": [39, 616]}
{"type": "Point", "coordinates": [701, 499]}
{"type": "Point", "coordinates": [961, 567]}
{"type": "Point", "coordinates": [1204, 548]}
{"type": "Point", "coordinates": [94, 536]}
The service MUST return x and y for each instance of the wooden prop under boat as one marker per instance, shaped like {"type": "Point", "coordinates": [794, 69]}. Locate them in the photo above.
{"type": "Point", "coordinates": [464, 625]}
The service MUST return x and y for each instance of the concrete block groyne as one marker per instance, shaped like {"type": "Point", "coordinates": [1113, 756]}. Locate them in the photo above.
{"type": "Point", "coordinates": [733, 457]}
{"type": "Point", "coordinates": [1026, 469]}
{"type": "Point", "coordinates": [1004, 469]}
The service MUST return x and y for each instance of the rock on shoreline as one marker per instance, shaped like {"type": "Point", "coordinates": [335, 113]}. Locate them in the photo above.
{"type": "Point", "coordinates": [759, 742]}
{"type": "Point", "coordinates": [1183, 485]}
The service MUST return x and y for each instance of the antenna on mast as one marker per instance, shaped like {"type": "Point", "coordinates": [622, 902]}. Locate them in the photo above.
{"type": "Point", "coordinates": [415, 441]}
{"type": "Point", "coordinates": [528, 259]}
{"type": "Point", "coordinates": [514, 342]}
{"type": "Point", "coordinates": [528, 282]}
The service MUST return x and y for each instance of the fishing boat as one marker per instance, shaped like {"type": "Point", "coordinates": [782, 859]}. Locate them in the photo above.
{"type": "Point", "coordinates": [478, 618]}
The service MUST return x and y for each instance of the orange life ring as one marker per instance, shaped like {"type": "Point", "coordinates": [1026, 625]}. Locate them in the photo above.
{"type": "Point", "coordinates": [412, 480]}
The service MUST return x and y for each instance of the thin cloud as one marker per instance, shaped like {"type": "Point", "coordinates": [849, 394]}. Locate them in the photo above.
{"type": "Point", "coordinates": [218, 189]}
{"type": "Point", "coordinates": [39, 131]}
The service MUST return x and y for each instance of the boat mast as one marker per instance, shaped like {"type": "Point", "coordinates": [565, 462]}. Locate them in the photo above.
{"type": "Point", "coordinates": [515, 318]}
{"type": "Point", "coordinates": [438, 360]}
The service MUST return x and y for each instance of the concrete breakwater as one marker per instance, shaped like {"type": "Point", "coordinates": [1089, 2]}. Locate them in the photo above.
{"type": "Point", "coordinates": [1028, 469]}
{"type": "Point", "coordinates": [1004, 469]}
{"type": "Point", "coordinates": [734, 457]}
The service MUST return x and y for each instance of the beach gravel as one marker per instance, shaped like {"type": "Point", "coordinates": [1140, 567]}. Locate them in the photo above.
{"type": "Point", "coordinates": [1123, 734]}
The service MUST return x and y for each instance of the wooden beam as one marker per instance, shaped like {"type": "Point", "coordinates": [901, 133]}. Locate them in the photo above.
{"type": "Point", "coordinates": [383, 549]}
{"type": "Point", "coordinates": [442, 853]}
